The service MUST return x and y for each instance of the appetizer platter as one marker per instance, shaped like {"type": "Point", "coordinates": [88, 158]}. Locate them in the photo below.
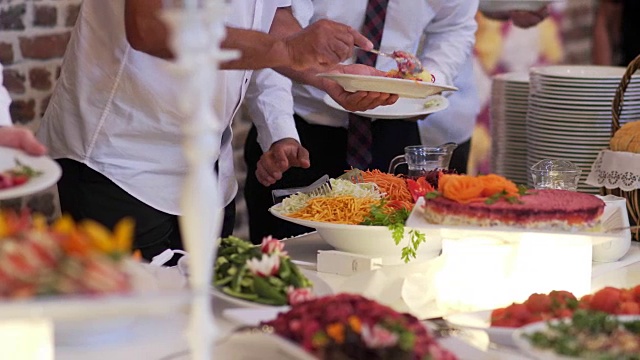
{"type": "Point", "coordinates": [21, 174]}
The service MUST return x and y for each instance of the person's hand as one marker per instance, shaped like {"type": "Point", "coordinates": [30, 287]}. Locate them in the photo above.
{"type": "Point", "coordinates": [359, 100]}
{"type": "Point", "coordinates": [527, 19]}
{"type": "Point", "coordinates": [21, 138]}
{"type": "Point", "coordinates": [282, 155]}
{"type": "Point", "coordinates": [323, 44]}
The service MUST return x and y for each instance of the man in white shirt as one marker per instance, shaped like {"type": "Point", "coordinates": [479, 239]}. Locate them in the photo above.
{"type": "Point", "coordinates": [14, 137]}
{"type": "Point", "coordinates": [453, 125]}
{"type": "Point", "coordinates": [114, 122]}
{"type": "Point", "coordinates": [444, 31]}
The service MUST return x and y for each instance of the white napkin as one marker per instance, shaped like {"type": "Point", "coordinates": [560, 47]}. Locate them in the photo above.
{"type": "Point", "coordinates": [405, 288]}
{"type": "Point", "coordinates": [632, 257]}
{"type": "Point", "coordinates": [148, 278]}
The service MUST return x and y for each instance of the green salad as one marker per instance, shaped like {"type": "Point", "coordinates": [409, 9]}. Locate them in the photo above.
{"type": "Point", "coordinates": [259, 273]}
{"type": "Point", "coordinates": [591, 335]}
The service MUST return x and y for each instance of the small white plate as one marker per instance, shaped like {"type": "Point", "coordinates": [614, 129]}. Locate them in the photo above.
{"type": "Point", "coordinates": [401, 87]}
{"type": "Point", "coordinates": [404, 108]}
{"type": "Point", "coordinates": [50, 172]}
{"type": "Point", "coordinates": [320, 288]}
{"type": "Point", "coordinates": [509, 5]}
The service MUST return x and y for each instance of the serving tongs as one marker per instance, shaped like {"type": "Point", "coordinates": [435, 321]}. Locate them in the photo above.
{"type": "Point", "coordinates": [319, 187]}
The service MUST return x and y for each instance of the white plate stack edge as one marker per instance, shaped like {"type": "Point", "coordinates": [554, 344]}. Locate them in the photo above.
{"type": "Point", "coordinates": [509, 103]}
{"type": "Point", "coordinates": [569, 113]}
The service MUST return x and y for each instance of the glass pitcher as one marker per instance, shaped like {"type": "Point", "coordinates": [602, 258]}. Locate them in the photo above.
{"type": "Point", "coordinates": [421, 159]}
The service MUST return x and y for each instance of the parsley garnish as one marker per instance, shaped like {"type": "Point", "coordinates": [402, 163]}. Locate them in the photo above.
{"type": "Point", "coordinates": [394, 219]}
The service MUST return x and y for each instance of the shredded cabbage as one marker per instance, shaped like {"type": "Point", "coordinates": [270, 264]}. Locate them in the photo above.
{"type": "Point", "coordinates": [339, 187]}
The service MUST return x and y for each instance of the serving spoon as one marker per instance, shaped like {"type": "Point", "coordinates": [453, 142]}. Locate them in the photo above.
{"type": "Point", "coordinates": [407, 63]}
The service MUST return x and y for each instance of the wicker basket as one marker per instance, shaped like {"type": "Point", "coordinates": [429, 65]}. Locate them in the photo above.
{"type": "Point", "coordinates": [633, 196]}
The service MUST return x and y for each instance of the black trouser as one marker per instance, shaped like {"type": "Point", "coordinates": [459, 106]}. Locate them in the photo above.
{"type": "Point", "coordinates": [87, 194]}
{"type": "Point", "coordinates": [327, 148]}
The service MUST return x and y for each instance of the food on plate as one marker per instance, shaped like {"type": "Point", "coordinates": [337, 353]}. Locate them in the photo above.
{"type": "Point", "coordinates": [17, 175]}
{"type": "Point", "coordinates": [491, 200]}
{"type": "Point", "coordinates": [561, 304]}
{"type": "Point", "coordinates": [590, 335]}
{"type": "Point", "coordinates": [408, 68]}
{"type": "Point", "coordinates": [537, 307]}
{"type": "Point", "coordinates": [63, 259]}
{"type": "Point", "coordinates": [263, 274]}
{"type": "Point", "coordinates": [347, 326]}
{"type": "Point", "coordinates": [627, 138]}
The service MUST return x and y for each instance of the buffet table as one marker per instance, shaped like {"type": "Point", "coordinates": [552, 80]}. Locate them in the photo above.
{"type": "Point", "coordinates": [164, 337]}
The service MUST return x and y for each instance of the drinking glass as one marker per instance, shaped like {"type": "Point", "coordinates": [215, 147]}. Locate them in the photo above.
{"type": "Point", "coordinates": [555, 174]}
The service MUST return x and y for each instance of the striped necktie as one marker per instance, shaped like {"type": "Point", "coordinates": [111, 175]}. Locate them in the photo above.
{"type": "Point", "coordinates": [359, 137]}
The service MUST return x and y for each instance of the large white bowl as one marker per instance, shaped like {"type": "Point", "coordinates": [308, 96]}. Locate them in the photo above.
{"type": "Point", "coordinates": [374, 241]}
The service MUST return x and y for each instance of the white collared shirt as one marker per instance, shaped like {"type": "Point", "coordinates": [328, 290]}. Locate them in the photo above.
{"type": "Point", "coordinates": [448, 27]}
{"type": "Point", "coordinates": [116, 109]}
{"type": "Point", "coordinates": [5, 101]}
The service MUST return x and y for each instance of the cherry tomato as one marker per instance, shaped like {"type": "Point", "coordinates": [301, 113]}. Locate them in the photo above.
{"type": "Point", "coordinates": [629, 308]}
{"type": "Point", "coordinates": [537, 303]}
{"type": "Point", "coordinates": [606, 300]}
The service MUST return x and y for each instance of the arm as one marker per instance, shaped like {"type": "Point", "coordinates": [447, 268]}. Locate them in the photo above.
{"type": "Point", "coordinates": [285, 24]}
{"type": "Point", "coordinates": [449, 39]}
{"type": "Point", "coordinates": [606, 32]}
{"type": "Point", "coordinates": [522, 19]}
{"type": "Point", "coordinates": [323, 44]}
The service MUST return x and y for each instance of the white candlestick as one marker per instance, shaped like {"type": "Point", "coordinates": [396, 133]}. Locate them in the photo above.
{"type": "Point", "coordinates": [195, 41]}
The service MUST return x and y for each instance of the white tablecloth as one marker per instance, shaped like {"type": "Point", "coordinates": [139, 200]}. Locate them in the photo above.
{"type": "Point", "coordinates": [163, 337]}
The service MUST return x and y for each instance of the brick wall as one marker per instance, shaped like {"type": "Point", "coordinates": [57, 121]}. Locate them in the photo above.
{"type": "Point", "coordinates": [33, 38]}
{"type": "Point", "coordinates": [33, 34]}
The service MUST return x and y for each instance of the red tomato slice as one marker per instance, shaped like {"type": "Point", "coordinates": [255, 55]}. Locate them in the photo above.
{"type": "Point", "coordinates": [419, 187]}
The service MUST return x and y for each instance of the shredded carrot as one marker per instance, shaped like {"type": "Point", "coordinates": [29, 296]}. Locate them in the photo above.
{"type": "Point", "coordinates": [338, 210]}
{"type": "Point", "coordinates": [394, 186]}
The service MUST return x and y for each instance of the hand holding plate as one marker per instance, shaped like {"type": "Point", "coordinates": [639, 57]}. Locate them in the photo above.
{"type": "Point", "coordinates": [359, 100]}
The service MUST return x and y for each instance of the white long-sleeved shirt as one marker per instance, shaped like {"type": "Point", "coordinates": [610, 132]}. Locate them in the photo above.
{"type": "Point", "coordinates": [444, 30]}
{"type": "Point", "coordinates": [5, 101]}
{"type": "Point", "coordinates": [116, 109]}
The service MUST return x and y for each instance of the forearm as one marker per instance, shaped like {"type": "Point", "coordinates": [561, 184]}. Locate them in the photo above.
{"type": "Point", "coordinates": [146, 32]}
{"type": "Point", "coordinates": [259, 50]}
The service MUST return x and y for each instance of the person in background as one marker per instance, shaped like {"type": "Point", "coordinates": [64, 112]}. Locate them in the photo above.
{"type": "Point", "coordinates": [114, 123]}
{"type": "Point", "coordinates": [322, 129]}
{"type": "Point", "coordinates": [615, 32]}
{"type": "Point", "coordinates": [15, 137]}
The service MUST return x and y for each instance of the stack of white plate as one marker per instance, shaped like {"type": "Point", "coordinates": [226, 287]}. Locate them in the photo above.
{"type": "Point", "coordinates": [569, 113]}
{"type": "Point", "coordinates": [509, 101]}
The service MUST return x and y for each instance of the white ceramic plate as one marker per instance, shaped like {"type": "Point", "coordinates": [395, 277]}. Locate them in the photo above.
{"type": "Point", "coordinates": [537, 353]}
{"type": "Point", "coordinates": [375, 241]}
{"type": "Point", "coordinates": [51, 172]}
{"type": "Point", "coordinates": [509, 5]}
{"type": "Point", "coordinates": [481, 320]}
{"type": "Point", "coordinates": [320, 288]}
{"type": "Point", "coordinates": [577, 72]}
{"type": "Point", "coordinates": [250, 346]}
{"type": "Point", "coordinates": [513, 77]}
{"type": "Point", "coordinates": [404, 88]}
{"type": "Point", "coordinates": [404, 108]}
